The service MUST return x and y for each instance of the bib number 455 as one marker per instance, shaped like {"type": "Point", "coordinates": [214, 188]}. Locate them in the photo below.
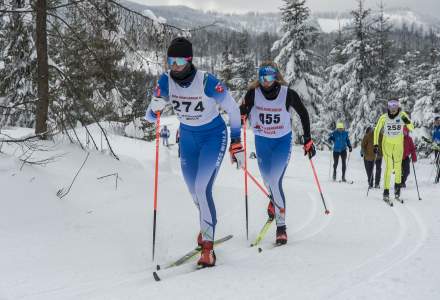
{"type": "Point", "coordinates": [267, 119]}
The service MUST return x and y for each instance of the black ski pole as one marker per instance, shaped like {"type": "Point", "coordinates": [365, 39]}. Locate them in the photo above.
{"type": "Point", "coordinates": [415, 176]}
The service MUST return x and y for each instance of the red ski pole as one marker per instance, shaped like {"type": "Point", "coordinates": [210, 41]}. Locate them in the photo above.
{"type": "Point", "coordinates": [156, 175]}
{"type": "Point", "coordinates": [245, 178]}
{"type": "Point", "coordinates": [258, 184]}
{"type": "Point", "coordinates": [319, 186]}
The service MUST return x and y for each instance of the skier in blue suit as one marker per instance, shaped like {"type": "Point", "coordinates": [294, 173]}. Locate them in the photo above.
{"type": "Point", "coordinates": [268, 104]}
{"type": "Point", "coordinates": [203, 140]}
{"type": "Point", "coordinates": [340, 141]}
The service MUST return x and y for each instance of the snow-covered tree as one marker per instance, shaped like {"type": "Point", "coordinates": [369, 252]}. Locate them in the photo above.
{"type": "Point", "coordinates": [17, 67]}
{"type": "Point", "coordinates": [295, 58]}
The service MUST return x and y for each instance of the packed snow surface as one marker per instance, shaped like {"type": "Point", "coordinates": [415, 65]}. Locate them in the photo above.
{"type": "Point", "coordinates": [96, 242]}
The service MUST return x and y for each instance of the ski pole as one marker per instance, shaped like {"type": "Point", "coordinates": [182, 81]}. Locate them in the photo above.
{"type": "Point", "coordinates": [258, 184]}
{"type": "Point", "coordinates": [245, 179]}
{"type": "Point", "coordinates": [156, 173]}
{"type": "Point", "coordinates": [370, 178]}
{"type": "Point", "coordinates": [415, 176]}
{"type": "Point", "coordinates": [319, 186]}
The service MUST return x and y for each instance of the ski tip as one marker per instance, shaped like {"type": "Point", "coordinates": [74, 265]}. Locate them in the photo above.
{"type": "Point", "coordinates": [260, 250]}
{"type": "Point", "coordinates": [157, 267]}
{"type": "Point", "coordinates": [156, 277]}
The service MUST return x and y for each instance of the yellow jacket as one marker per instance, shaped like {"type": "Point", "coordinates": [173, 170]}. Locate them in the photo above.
{"type": "Point", "coordinates": [392, 129]}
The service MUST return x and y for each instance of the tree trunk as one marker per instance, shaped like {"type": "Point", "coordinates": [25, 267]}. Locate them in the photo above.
{"type": "Point", "coordinates": [42, 69]}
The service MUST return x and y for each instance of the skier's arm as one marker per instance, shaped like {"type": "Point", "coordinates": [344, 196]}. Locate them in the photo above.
{"type": "Point", "coordinates": [293, 100]}
{"type": "Point", "coordinates": [214, 88]}
{"type": "Point", "coordinates": [378, 128]}
{"type": "Point", "coordinates": [364, 144]}
{"type": "Point", "coordinates": [331, 138]}
{"type": "Point", "coordinates": [407, 121]}
{"type": "Point", "coordinates": [247, 103]}
{"type": "Point", "coordinates": [160, 91]}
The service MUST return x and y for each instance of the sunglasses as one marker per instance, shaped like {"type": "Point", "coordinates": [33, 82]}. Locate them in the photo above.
{"type": "Point", "coordinates": [267, 78]}
{"type": "Point", "coordinates": [180, 61]}
{"type": "Point", "coordinates": [393, 104]}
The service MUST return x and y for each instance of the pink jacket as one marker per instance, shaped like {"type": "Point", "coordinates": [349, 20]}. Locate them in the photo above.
{"type": "Point", "coordinates": [409, 148]}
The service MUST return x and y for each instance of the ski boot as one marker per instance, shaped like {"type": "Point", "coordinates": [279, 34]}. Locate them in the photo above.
{"type": "Point", "coordinates": [377, 186]}
{"type": "Point", "coordinates": [271, 211]}
{"type": "Point", "coordinates": [281, 238]}
{"type": "Point", "coordinates": [207, 256]}
{"type": "Point", "coordinates": [397, 192]}
{"type": "Point", "coordinates": [386, 195]}
{"type": "Point", "coordinates": [334, 175]}
{"type": "Point", "coordinates": [343, 178]}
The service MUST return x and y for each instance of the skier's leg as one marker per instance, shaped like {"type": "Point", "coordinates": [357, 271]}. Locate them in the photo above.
{"type": "Point", "coordinates": [280, 159]}
{"type": "Point", "coordinates": [335, 163]}
{"type": "Point", "coordinates": [344, 163]}
{"type": "Point", "coordinates": [387, 155]}
{"type": "Point", "coordinates": [398, 156]}
{"type": "Point", "coordinates": [405, 170]}
{"type": "Point", "coordinates": [378, 172]}
{"type": "Point", "coordinates": [213, 146]}
{"type": "Point", "coordinates": [189, 161]}
{"type": "Point", "coordinates": [369, 169]}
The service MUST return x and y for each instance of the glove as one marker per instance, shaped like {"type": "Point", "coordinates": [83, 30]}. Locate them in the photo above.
{"type": "Point", "coordinates": [309, 147]}
{"type": "Point", "coordinates": [157, 104]}
{"type": "Point", "coordinates": [237, 153]}
{"type": "Point", "coordinates": [376, 149]}
{"type": "Point", "coordinates": [350, 149]}
{"type": "Point", "coordinates": [405, 120]}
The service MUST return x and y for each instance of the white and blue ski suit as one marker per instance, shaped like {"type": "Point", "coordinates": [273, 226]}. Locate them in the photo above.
{"type": "Point", "coordinates": [203, 136]}
{"type": "Point", "coordinates": [269, 113]}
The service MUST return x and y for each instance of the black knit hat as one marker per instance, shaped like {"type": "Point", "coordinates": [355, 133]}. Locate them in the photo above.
{"type": "Point", "coordinates": [180, 47]}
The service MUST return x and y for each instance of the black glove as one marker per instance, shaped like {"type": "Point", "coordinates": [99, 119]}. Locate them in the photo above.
{"type": "Point", "coordinates": [309, 147]}
{"type": "Point", "coordinates": [350, 149]}
{"type": "Point", "coordinates": [376, 149]}
{"type": "Point", "coordinates": [405, 120]}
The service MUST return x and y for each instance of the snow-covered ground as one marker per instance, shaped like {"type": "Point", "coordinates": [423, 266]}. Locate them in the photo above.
{"type": "Point", "coordinates": [95, 243]}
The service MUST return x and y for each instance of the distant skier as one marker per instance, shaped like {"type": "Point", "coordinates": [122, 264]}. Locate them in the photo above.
{"type": "Point", "coordinates": [195, 95]}
{"type": "Point", "coordinates": [409, 153]}
{"type": "Point", "coordinates": [267, 104]}
{"type": "Point", "coordinates": [165, 135]}
{"type": "Point", "coordinates": [392, 124]}
{"type": "Point", "coordinates": [340, 141]}
{"type": "Point", "coordinates": [372, 160]}
{"type": "Point", "coordinates": [436, 147]}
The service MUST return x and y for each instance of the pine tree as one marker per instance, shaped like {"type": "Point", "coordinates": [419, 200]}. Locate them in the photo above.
{"type": "Point", "coordinates": [18, 72]}
{"type": "Point", "coordinates": [296, 59]}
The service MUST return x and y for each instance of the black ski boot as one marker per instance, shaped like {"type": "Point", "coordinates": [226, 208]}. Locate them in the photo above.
{"type": "Point", "coordinates": [343, 178]}
{"type": "Point", "coordinates": [397, 192]}
{"type": "Point", "coordinates": [334, 175]}
{"type": "Point", "coordinates": [386, 195]}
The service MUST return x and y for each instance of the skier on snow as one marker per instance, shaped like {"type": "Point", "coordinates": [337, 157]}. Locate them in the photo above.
{"type": "Point", "coordinates": [267, 104]}
{"type": "Point", "coordinates": [195, 95]}
{"type": "Point", "coordinates": [340, 141]}
{"type": "Point", "coordinates": [371, 160]}
{"type": "Point", "coordinates": [392, 124]}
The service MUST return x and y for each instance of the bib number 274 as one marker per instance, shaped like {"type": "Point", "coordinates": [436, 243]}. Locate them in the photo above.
{"type": "Point", "coordinates": [187, 105]}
